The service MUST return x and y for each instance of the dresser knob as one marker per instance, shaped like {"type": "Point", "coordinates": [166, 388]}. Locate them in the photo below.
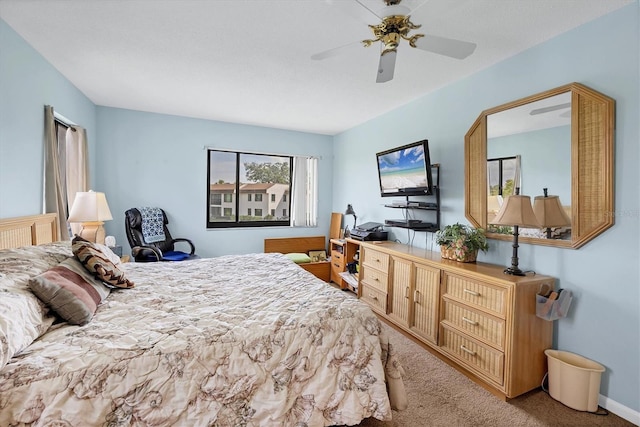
{"type": "Point", "coordinates": [469, 321]}
{"type": "Point", "coordinates": [466, 350]}
{"type": "Point", "coordinates": [470, 292]}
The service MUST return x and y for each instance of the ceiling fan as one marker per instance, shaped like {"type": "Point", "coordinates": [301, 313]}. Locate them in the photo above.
{"type": "Point", "coordinates": [396, 26]}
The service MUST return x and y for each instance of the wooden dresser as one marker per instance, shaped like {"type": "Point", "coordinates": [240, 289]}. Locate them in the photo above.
{"type": "Point", "coordinates": [472, 315]}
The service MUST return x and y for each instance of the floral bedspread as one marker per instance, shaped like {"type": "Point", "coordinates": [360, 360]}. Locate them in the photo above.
{"type": "Point", "coordinates": [250, 340]}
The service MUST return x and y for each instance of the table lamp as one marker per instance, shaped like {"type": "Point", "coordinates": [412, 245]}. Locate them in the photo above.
{"type": "Point", "coordinates": [350, 211]}
{"type": "Point", "coordinates": [516, 211]}
{"type": "Point", "coordinates": [91, 209]}
{"type": "Point", "coordinates": [550, 212]}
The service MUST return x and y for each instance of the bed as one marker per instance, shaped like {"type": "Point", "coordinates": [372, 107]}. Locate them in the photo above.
{"type": "Point", "coordinates": [249, 340]}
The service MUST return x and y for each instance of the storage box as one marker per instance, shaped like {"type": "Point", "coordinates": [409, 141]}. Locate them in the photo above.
{"type": "Point", "coordinates": [574, 380]}
{"type": "Point", "coordinates": [553, 308]}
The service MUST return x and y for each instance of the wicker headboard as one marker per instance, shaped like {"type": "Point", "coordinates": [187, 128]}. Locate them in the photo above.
{"type": "Point", "coordinates": [28, 230]}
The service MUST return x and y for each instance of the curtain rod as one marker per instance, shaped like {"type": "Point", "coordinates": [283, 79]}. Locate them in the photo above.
{"type": "Point", "coordinates": [63, 120]}
{"type": "Point", "coordinates": [206, 147]}
{"type": "Point", "coordinates": [68, 126]}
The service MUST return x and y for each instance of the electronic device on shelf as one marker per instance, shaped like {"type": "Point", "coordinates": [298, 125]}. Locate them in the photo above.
{"type": "Point", "coordinates": [369, 231]}
{"type": "Point", "coordinates": [411, 223]}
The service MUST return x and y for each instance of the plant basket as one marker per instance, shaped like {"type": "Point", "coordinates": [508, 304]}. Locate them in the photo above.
{"type": "Point", "coordinates": [457, 254]}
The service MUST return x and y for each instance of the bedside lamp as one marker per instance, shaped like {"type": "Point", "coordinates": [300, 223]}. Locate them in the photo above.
{"type": "Point", "coordinates": [516, 211]}
{"type": "Point", "coordinates": [90, 209]}
{"type": "Point", "coordinates": [550, 212]}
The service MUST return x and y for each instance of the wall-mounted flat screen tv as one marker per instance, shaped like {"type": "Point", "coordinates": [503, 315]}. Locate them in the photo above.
{"type": "Point", "coordinates": [405, 171]}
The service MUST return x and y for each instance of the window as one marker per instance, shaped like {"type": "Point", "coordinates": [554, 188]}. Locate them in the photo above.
{"type": "Point", "coordinates": [216, 199]}
{"type": "Point", "coordinates": [284, 212]}
{"type": "Point", "coordinates": [249, 176]}
{"type": "Point", "coordinates": [503, 175]}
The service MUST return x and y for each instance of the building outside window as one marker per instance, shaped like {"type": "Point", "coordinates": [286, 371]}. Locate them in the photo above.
{"type": "Point", "coordinates": [264, 180]}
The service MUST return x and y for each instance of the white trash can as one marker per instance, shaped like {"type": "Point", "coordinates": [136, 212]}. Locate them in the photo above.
{"type": "Point", "coordinates": [574, 380]}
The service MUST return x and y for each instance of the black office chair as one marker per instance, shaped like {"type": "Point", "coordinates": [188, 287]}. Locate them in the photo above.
{"type": "Point", "coordinates": [155, 242]}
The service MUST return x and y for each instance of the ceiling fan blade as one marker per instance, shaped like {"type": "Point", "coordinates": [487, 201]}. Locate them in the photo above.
{"type": "Point", "coordinates": [367, 8]}
{"type": "Point", "coordinates": [443, 46]}
{"type": "Point", "coordinates": [336, 51]}
{"type": "Point", "coordinates": [386, 66]}
{"type": "Point", "coordinates": [550, 108]}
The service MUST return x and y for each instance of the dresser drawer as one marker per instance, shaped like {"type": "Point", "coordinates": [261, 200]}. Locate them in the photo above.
{"type": "Point", "coordinates": [375, 259]}
{"type": "Point", "coordinates": [478, 294]}
{"type": "Point", "coordinates": [375, 278]}
{"type": "Point", "coordinates": [374, 297]}
{"type": "Point", "coordinates": [479, 325]}
{"type": "Point", "coordinates": [480, 358]}
{"type": "Point", "coordinates": [337, 258]}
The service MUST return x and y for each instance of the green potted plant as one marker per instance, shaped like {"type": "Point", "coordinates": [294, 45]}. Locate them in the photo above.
{"type": "Point", "coordinates": [460, 242]}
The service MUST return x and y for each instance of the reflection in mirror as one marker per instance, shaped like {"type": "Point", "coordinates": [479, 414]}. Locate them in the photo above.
{"type": "Point", "coordinates": [529, 146]}
{"type": "Point", "coordinates": [565, 146]}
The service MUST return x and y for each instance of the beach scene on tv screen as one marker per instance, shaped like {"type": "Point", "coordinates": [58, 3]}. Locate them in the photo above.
{"type": "Point", "coordinates": [403, 169]}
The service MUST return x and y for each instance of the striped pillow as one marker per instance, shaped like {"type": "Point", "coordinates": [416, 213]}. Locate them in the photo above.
{"type": "Point", "coordinates": [99, 264]}
{"type": "Point", "coordinates": [70, 291]}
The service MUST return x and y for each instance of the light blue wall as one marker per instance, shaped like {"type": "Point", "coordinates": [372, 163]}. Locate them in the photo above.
{"type": "Point", "coordinates": [604, 320]}
{"type": "Point", "coordinates": [150, 159]}
{"type": "Point", "coordinates": [28, 83]}
{"type": "Point", "coordinates": [545, 160]}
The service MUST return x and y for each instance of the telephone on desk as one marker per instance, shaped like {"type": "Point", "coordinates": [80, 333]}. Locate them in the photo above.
{"type": "Point", "coordinates": [369, 231]}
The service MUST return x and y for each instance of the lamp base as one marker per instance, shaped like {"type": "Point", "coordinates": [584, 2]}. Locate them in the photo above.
{"type": "Point", "coordinates": [93, 232]}
{"type": "Point", "coordinates": [514, 271]}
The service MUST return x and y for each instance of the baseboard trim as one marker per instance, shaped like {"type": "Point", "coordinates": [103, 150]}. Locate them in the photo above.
{"type": "Point", "coordinates": [620, 410]}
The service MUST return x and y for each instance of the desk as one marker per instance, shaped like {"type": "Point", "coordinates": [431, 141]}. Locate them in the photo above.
{"type": "Point", "coordinates": [343, 252]}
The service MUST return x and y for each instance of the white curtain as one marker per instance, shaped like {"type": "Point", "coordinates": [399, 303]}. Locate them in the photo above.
{"type": "Point", "coordinates": [305, 192]}
{"type": "Point", "coordinates": [54, 191]}
{"type": "Point", "coordinates": [77, 173]}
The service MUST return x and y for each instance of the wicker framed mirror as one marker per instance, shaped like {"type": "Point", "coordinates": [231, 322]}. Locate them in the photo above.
{"type": "Point", "coordinates": [590, 193]}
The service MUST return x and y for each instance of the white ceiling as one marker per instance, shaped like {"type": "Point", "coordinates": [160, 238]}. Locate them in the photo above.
{"type": "Point", "coordinates": [248, 61]}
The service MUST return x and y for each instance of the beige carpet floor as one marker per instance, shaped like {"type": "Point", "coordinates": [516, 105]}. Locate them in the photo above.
{"type": "Point", "coordinates": [439, 395]}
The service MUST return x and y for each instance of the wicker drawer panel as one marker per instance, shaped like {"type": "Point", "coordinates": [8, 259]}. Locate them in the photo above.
{"type": "Point", "coordinates": [478, 357]}
{"type": "Point", "coordinates": [374, 297]}
{"type": "Point", "coordinates": [375, 279]}
{"type": "Point", "coordinates": [486, 328]}
{"type": "Point", "coordinates": [478, 294]}
{"type": "Point", "coordinates": [376, 259]}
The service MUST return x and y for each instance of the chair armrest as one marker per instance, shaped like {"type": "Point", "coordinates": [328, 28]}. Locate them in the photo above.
{"type": "Point", "coordinates": [138, 251]}
{"type": "Point", "coordinates": [181, 239]}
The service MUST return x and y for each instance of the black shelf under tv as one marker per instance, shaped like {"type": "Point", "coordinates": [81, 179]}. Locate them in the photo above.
{"type": "Point", "coordinates": [431, 205]}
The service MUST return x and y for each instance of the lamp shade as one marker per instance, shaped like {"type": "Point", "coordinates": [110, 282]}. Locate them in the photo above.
{"type": "Point", "coordinates": [90, 206]}
{"type": "Point", "coordinates": [550, 212]}
{"type": "Point", "coordinates": [349, 210]}
{"type": "Point", "coordinates": [517, 210]}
